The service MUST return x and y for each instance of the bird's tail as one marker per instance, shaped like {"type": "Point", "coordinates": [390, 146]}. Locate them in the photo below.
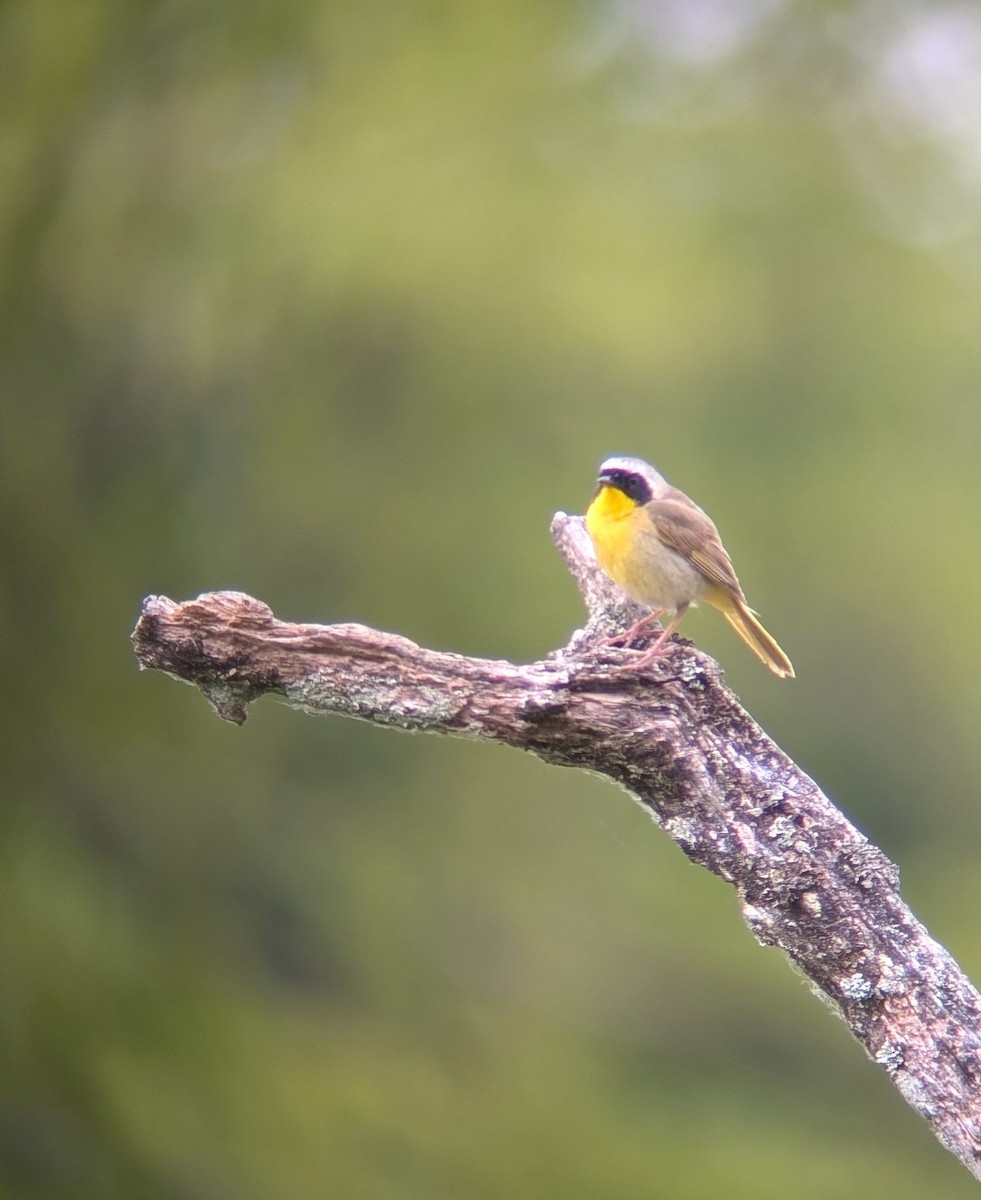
{"type": "Point", "coordinates": [744, 621]}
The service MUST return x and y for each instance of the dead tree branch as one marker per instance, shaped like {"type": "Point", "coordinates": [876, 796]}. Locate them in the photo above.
{"type": "Point", "coordinates": [676, 738]}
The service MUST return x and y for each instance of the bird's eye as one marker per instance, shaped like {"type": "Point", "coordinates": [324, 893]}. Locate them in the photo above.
{"type": "Point", "coordinates": [634, 486]}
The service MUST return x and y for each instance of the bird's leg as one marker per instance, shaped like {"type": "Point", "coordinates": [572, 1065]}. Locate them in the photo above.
{"type": "Point", "coordinates": [647, 656]}
{"type": "Point", "coordinates": [625, 638]}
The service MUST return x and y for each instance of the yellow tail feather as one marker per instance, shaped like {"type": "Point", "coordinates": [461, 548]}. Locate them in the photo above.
{"type": "Point", "coordinates": [756, 637]}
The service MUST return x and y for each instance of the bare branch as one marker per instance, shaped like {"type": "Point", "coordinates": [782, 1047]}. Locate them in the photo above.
{"type": "Point", "coordinates": [677, 739]}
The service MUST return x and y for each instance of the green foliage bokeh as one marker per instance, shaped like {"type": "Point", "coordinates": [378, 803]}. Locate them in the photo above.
{"type": "Point", "coordinates": [336, 304]}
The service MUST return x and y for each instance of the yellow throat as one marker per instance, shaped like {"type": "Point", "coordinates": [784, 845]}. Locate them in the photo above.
{"type": "Point", "coordinates": [607, 520]}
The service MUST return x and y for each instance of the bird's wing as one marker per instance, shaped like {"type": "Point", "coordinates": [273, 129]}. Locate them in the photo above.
{"type": "Point", "coordinates": [683, 527]}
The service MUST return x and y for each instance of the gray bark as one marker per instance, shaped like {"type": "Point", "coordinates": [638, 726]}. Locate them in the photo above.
{"type": "Point", "coordinates": [673, 735]}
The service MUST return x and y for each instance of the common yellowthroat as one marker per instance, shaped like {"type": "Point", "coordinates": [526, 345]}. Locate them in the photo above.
{"type": "Point", "coordinates": [667, 554]}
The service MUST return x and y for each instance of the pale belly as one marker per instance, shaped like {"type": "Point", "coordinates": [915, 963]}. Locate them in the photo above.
{"type": "Point", "coordinates": [646, 569]}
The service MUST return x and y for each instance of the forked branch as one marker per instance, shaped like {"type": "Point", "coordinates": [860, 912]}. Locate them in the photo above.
{"type": "Point", "coordinates": [676, 738]}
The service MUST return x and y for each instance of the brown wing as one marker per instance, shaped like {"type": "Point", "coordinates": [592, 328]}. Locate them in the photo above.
{"type": "Point", "coordinates": [683, 527]}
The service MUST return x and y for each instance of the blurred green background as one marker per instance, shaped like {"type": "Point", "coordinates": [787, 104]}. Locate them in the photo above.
{"type": "Point", "coordinates": [336, 304]}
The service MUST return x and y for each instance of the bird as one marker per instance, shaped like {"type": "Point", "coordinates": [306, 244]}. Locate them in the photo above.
{"type": "Point", "coordinates": [666, 553]}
